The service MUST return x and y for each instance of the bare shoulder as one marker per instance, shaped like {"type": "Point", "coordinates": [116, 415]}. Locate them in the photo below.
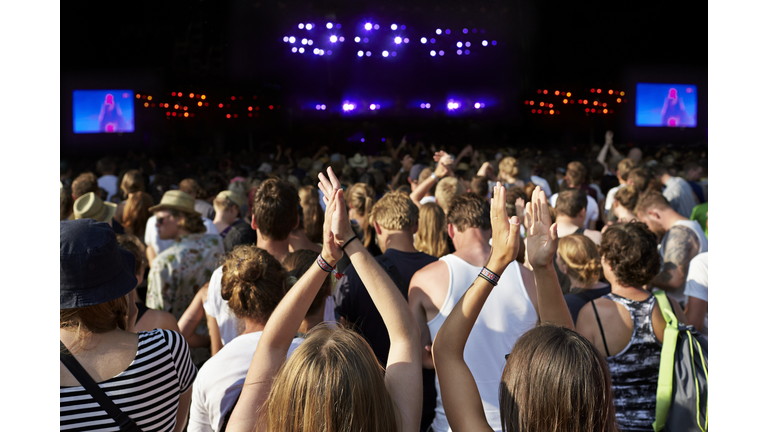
{"type": "Point", "coordinates": [594, 235]}
{"type": "Point", "coordinates": [430, 277]}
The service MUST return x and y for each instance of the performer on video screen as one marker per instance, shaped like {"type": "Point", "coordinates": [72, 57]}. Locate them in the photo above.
{"type": "Point", "coordinates": [110, 117]}
{"type": "Point", "coordinates": [673, 111]}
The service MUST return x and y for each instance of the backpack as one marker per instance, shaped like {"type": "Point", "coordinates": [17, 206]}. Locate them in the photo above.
{"type": "Point", "coordinates": [682, 402]}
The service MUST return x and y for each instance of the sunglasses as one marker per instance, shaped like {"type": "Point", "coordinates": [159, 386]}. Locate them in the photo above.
{"type": "Point", "coordinates": [160, 220]}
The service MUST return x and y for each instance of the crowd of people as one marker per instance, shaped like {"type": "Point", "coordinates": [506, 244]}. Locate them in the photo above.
{"type": "Point", "coordinates": [412, 289]}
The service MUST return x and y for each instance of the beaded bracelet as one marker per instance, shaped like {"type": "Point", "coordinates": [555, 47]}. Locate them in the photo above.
{"type": "Point", "coordinates": [490, 276]}
{"type": "Point", "coordinates": [323, 264]}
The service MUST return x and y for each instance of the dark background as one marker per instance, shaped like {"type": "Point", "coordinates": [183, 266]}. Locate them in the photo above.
{"type": "Point", "coordinates": [234, 48]}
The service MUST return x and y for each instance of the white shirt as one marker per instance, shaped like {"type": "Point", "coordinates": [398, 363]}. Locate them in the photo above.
{"type": "Point", "coordinates": [612, 196]}
{"type": "Point", "coordinates": [697, 283]}
{"type": "Point", "coordinates": [218, 308]}
{"type": "Point", "coordinates": [679, 294]}
{"type": "Point", "coordinates": [592, 209]}
{"type": "Point", "coordinates": [543, 183]}
{"type": "Point", "coordinates": [151, 236]}
{"type": "Point", "coordinates": [680, 196]}
{"type": "Point", "coordinates": [220, 381]}
{"type": "Point", "coordinates": [109, 184]}
{"type": "Point", "coordinates": [427, 199]}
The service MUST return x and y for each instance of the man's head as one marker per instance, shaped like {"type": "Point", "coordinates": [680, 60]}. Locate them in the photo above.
{"type": "Point", "coordinates": [84, 183]}
{"type": "Point", "coordinates": [106, 166]}
{"type": "Point", "coordinates": [468, 211]}
{"type": "Point", "coordinates": [636, 155]}
{"type": "Point", "coordinates": [395, 212]}
{"type": "Point", "coordinates": [572, 203]}
{"type": "Point", "coordinates": [190, 187]}
{"type": "Point", "coordinates": [654, 210]}
{"type": "Point", "coordinates": [625, 166]}
{"type": "Point", "coordinates": [447, 188]}
{"type": "Point", "coordinates": [693, 171]}
{"type": "Point", "coordinates": [228, 204]}
{"type": "Point", "coordinates": [576, 174]}
{"type": "Point", "coordinates": [413, 175]}
{"type": "Point", "coordinates": [479, 185]}
{"type": "Point", "coordinates": [275, 209]}
{"type": "Point", "coordinates": [176, 216]}
{"type": "Point", "coordinates": [639, 178]}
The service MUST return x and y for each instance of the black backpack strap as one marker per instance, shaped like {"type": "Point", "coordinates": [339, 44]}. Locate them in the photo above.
{"type": "Point", "coordinates": [579, 230]}
{"type": "Point", "coordinates": [599, 324]}
{"type": "Point", "coordinates": [389, 266]}
{"type": "Point", "coordinates": [125, 423]}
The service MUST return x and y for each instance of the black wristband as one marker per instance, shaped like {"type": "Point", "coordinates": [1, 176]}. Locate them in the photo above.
{"type": "Point", "coordinates": [347, 243]}
{"type": "Point", "coordinates": [490, 276]}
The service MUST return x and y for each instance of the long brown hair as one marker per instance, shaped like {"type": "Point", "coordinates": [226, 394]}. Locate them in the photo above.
{"type": "Point", "coordinates": [136, 213]}
{"type": "Point", "coordinates": [312, 212]}
{"type": "Point", "coordinates": [555, 380]}
{"type": "Point", "coordinates": [132, 182]}
{"type": "Point", "coordinates": [333, 383]}
{"type": "Point", "coordinates": [99, 318]}
{"type": "Point", "coordinates": [252, 283]}
{"type": "Point", "coordinates": [362, 197]}
{"type": "Point", "coordinates": [432, 236]}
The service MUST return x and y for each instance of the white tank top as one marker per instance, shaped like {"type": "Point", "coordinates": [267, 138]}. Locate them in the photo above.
{"type": "Point", "coordinates": [507, 314]}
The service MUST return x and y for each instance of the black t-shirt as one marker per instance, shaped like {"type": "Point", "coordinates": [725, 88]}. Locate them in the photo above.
{"type": "Point", "coordinates": [576, 300]}
{"type": "Point", "coordinates": [355, 304]}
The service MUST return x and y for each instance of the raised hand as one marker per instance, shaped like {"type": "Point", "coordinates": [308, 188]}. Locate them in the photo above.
{"type": "Point", "coordinates": [329, 185]}
{"type": "Point", "coordinates": [407, 163]}
{"type": "Point", "coordinates": [332, 252]}
{"type": "Point", "coordinates": [542, 234]}
{"type": "Point", "coordinates": [506, 233]}
{"type": "Point", "coordinates": [520, 212]}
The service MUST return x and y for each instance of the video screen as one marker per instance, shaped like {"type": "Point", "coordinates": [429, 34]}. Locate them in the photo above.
{"type": "Point", "coordinates": [667, 105]}
{"type": "Point", "coordinates": [102, 111]}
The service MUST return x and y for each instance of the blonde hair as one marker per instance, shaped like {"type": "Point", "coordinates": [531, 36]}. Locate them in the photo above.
{"type": "Point", "coordinates": [333, 383]}
{"type": "Point", "coordinates": [508, 166]}
{"type": "Point", "coordinates": [361, 197]}
{"type": "Point", "coordinates": [432, 237]}
{"type": "Point", "coordinates": [395, 211]}
{"type": "Point", "coordinates": [580, 255]}
{"type": "Point", "coordinates": [446, 189]}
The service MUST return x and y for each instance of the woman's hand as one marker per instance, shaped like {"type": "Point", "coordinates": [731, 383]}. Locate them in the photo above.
{"type": "Point", "coordinates": [336, 217]}
{"type": "Point", "coordinates": [328, 186]}
{"type": "Point", "coordinates": [331, 252]}
{"type": "Point", "coordinates": [506, 232]}
{"type": "Point", "coordinates": [542, 235]}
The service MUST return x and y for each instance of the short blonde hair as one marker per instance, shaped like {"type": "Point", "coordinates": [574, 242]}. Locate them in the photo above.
{"type": "Point", "coordinates": [395, 211]}
{"type": "Point", "coordinates": [508, 165]}
{"type": "Point", "coordinates": [580, 255]}
{"type": "Point", "coordinates": [446, 190]}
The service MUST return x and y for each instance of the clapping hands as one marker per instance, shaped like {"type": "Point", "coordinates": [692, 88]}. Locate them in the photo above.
{"type": "Point", "coordinates": [542, 234]}
{"type": "Point", "coordinates": [336, 227]}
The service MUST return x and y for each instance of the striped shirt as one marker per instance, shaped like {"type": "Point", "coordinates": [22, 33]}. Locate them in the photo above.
{"type": "Point", "coordinates": [148, 391]}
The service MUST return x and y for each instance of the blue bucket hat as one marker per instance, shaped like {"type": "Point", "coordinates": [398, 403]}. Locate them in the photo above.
{"type": "Point", "coordinates": [93, 269]}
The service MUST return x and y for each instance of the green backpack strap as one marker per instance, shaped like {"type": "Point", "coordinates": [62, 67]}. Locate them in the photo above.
{"type": "Point", "coordinates": [667, 366]}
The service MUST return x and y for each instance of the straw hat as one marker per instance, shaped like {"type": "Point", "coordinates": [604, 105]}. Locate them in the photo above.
{"type": "Point", "coordinates": [176, 200]}
{"type": "Point", "coordinates": [358, 161]}
{"type": "Point", "coordinates": [235, 197]}
{"type": "Point", "coordinates": [90, 206]}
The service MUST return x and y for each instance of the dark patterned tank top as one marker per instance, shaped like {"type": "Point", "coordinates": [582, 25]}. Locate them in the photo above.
{"type": "Point", "coordinates": [635, 370]}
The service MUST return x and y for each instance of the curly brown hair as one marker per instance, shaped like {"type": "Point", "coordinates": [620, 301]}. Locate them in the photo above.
{"type": "Point", "coordinates": [252, 282]}
{"type": "Point", "coordinates": [630, 251]}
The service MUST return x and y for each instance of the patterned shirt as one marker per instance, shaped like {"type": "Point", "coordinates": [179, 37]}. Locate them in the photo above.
{"type": "Point", "coordinates": [179, 271]}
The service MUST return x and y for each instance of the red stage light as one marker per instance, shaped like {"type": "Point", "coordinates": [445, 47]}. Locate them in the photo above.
{"type": "Point", "coordinates": [257, 108]}
{"type": "Point", "coordinates": [538, 91]}
{"type": "Point", "coordinates": [611, 111]}
{"type": "Point", "coordinates": [233, 98]}
{"type": "Point", "coordinates": [235, 115]}
{"type": "Point", "coordinates": [586, 109]}
{"type": "Point", "coordinates": [206, 104]}
{"type": "Point", "coordinates": [176, 106]}
{"type": "Point", "coordinates": [618, 100]}
{"type": "Point", "coordinates": [571, 101]}
{"type": "Point", "coordinates": [228, 116]}
{"type": "Point", "coordinates": [593, 110]}
{"type": "Point", "coordinates": [173, 93]}
{"type": "Point", "coordinates": [192, 114]}
{"type": "Point", "coordinates": [138, 96]}
{"type": "Point", "coordinates": [605, 104]}
{"type": "Point", "coordinates": [599, 91]}
{"type": "Point", "coordinates": [254, 97]}
{"type": "Point", "coordinates": [153, 105]}
{"type": "Point", "coordinates": [250, 108]}
{"type": "Point", "coordinates": [593, 90]}
{"type": "Point", "coordinates": [271, 107]}
{"type": "Point", "coordinates": [173, 114]}
{"type": "Point", "coordinates": [191, 95]}
{"type": "Point", "coordinates": [557, 92]}
{"type": "Point", "coordinates": [250, 114]}
{"type": "Point", "coordinates": [538, 111]}
{"type": "Point", "coordinates": [197, 96]}
{"type": "Point", "coordinates": [533, 111]}
{"type": "Point", "coordinates": [551, 105]}
{"type": "Point", "coordinates": [221, 105]}
{"type": "Point", "coordinates": [545, 92]}
{"type": "Point", "coordinates": [186, 114]}
{"type": "Point", "coordinates": [595, 103]}
{"type": "Point", "coordinates": [168, 113]}
{"type": "Point", "coordinates": [557, 112]}
{"type": "Point", "coordinates": [579, 101]}
{"type": "Point", "coordinates": [551, 111]}
{"type": "Point", "coordinates": [610, 91]}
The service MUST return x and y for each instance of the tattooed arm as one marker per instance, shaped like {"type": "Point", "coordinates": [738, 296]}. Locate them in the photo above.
{"type": "Point", "coordinates": [681, 246]}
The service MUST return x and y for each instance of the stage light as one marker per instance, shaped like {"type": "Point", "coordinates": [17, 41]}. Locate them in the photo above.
{"type": "Point", "coordinates": [438, 31]}
{"type": "Point", "coordinates": [229, 116]}
{"type": "Point", "coordinates": [394, 54]}
{"type": "Point", "coordinates": [622, 93]}
{"type": "Point", "coordinates": [315, 51]}
{"type": "Point", "coordinates": [477, 104]}
{"type": "Point", "coordinates": [322, 52]}
{"type": "Point", "coordinates": [167, 113]}
{"type": "Point", "coordinates": [285, 39]}
{"type": "Point", "coordinates": [458, 52]}
{"type": "Point", "coordinates": [357, 39]}
{"type": "Point", "coordinates": [568, 94]}
{"type": "Point", "coordinates": [294, 49]}
{"type": "Point", "coordinates": [179, 94]}
{"type": "Point", "coordinates": [322, 107]}
{"type": "Point", "coordinates": [329, 26]}
{"type": "Point", "coordinates": [338, 25]}
{"type": "Point", "coordinates": [368, 26]}
{"type": "Point", "coordinates": [393, 26]}
{"type": "Point", "coordinates": [605, 111]}
{"type": "Point", "coordinates": [611, 111]}
{"type": "Point", "coordinates": [545, 92]}
{"type": "Point", "coordinates": [146, 104]}
{"type": "Point", "coordinates": [304, 41]}
{"type": "Point", "coordinates": [551, 105]}
{"type": "Point", "coordinates": [309, 41]}
{"type": "Point", "coordinates": [533, 111]}
{"type": "Point", "coordinates": [172, 94]}
{"type": "Point", "coordinates": [367, 53]}
{"type": "Point", "coordinates": [557, 92]}
{"type": "Point", "coordinates": [365, 40]}
{"type": "Point", "coordinates": [199, 103]}
{"type": "Point", "coordinates": [541, 103]}
{"type": "Point", "coordinates": [423, 40]}
{"type": "Point", "coordinates": [250, 108]}
{"type": "Point", "coordinates": [592, 110]}
{"type": "Point", "coordinates": [372, 107]}
{"type": "Point", "coordinates": [586, 109]}
{"type": "Point", "coordinates": [385, 54]}
{"type": "Point", "coordinates": [493, 43]}
{"type": "Point", "coordinates": [191, 95]}
{"type": "Point", "coordinates": [458, 44]}
{"type": "Point", "coordinates": [334, 39]}
{"type": "Point", "coordinates": [360, 53]}
{"type": "Point", "coordinates": [571, 101]}
{"type": "Point", "coordinates": [432, 53]}
{"type": "Point", "coordinates": [271, 107]}
{"type": "Point", "coordinates": [465, 31]}
{"type": "Point", "coordinates": [605, 104]}
{"type": "Point", "coordinates": [398, 40]}
{"type": "Point", "coordinates": [485, 43]}
{"type": "Point", "coordinates": [406, 40]}
{"type": "Point", "coordinates": [538, 111]}
{"type": "Point", "coordinates": [292, 39]}
{"type": "Point", "coordinates": [176, 106]}
{"type": "Point", "coordinates": [422, 106]}
{"type": "Point", "coordinates": [375, 26]}
{"type": "Point", "coordinates": [565, 101]}
{"type": "Point", "coordinates": [341, 39]}
{"type": "Point", "coordinates": [466, 52]}
{"type": "Point", "coordinates": [153, 105]}
{"type": "Point", "coordinates": [579, 101]}
{"type": "Point", "coordinates": [186, 114]}
{"type": "Point", "coordinates": [551, 111]}
{"type": "Point", "coordinates": [202, 97]}
{"type": "Point", "coordinates": [441, 53]}
{"type": "Point", "coordinates": [402, 27]}
{"type": "Point", "coordinates": [599, 91]}
{"type": "Point", "coordinates": [185, 108]}
{"type": "Point", "coordinates": [610, 91]}
{"type": "Point", "coordinates": [595, 102]}
{"type": "Point", "coordinates": [538, 91]}
{"type": "Point", "coordinates": [348, 106]}
{"type": "Point", "coordinates": [317, 107]}
{"type": "Point", "coordinates": [301, 26]}
{"type": "Point", "coordinates": [301, 50]}
{"type": "Point", "coordinates": [447, 31]}
{"type": "Point", "coordinates": [428, 105]}
{"type": "Point", "coordinates": [362, 139]}
{"type": "Point", "coordinates": [467, 44]}
{"type": "Point", "coordinates": [592, 90]}
{"type": "Point", "coordinates": [138, 96]}
{"type": "Point", "coordinates": [452, 105]}
{"type": "Point", "coordinates": [432, 40]}
{"type": "Point", "coordinates": [173, 114]}
{"type": "Point", "coordinates": [618, 100]}
{"type": "Point", "coordinates": [166, 105]}
{"type": "Point", "coordinates": [309, 26]}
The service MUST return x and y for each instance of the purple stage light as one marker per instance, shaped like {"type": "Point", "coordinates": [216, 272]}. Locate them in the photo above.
{"type": "Point", "coordinates": [383, 140]}
{"type": "Point", "coordinates": [315, 51]}
{"type": "Point", "coordinates": [362, 139]}
{"type": "Point", "coordinates": [441, 52]}
{"type": "Point", "coordinates": [477, 105]}
{"type": "Point", "coordinates": [368, 26]}
{"type": "Point", "coordinates": [367, 53]}
{"type": "Point", "coordinates": [317, 107]}
{"type": "Point", "coordinates": [348, 106]}
{"type": "Point", "coordinates": [341, 39]}
{"type": "Point", "coordinates": [375, 26]}
{"type": "Point", "coordinates": [309, 42]}
{"type": "Point", "coordinates": [357, 39]}
{"type": "Point", "coordinates": [394, 54]}
{"type": "Point", "coordinates": [447, 31]}
{"type": "Point", "coordinates": [432, 53]}
{"type": "Point", "coordinates": [385, 53]}
{"type": "Point", "coordinates": [334, 39]}
{"type": "Point", "coordinates": [292, 39]}
{"type": "Point", "coordinates": [365, 40]}
{"type": "Point", "coordinates": [322, 107]}
{"type": "Point", "coordinates": [458, 52]}
{"type": "Point", "coordinates": [493, 43]}
{"type": "Point", "coordinates": [423, 40]}
{"type": "Point", "coordinates": [467, 44]}
{"type": "Point", "coordinates": [301, 26]}
{"type": "Point", "coordinates": [329, 26]}
{"type": "Point", "coordinates": [304, 41]}
{"type": "Point", "coordinates": [422, 106]}
{"type": "Point", "coordinates": [321, 52]}
{"type": "Point", "coordinates": [285, 39]}
{"type": "Point", "coordinates": [474, 30]}
{"type": "Point", "coordinates": [309, 26]}
{"type": "Point", "coordinates": [452, 105]}
{"type": "Point", "coordinates": [458, 44]}
{"type": "Point", "coordinates": [466, 52]}
{"type": "Point", "coordinates": [406, 40]}
{"type": "Point", "coordinates": [360, 53]}
{"type": "Point", "coordinates": [372, 107]}
{"type": "Point", "coordinates": [294, 49]}
{"type": "Point", "coordinates": [482, 31]}
{"type": "Point", "coordinates": [485, 43]}
{"type": "Point", "coordinates": [432, 40]}
{"type": "Point", "coordinates": [402, 27]}
{"type": "Point", "coordinates": [465, 31]}
{"type": "Point", "coordinates": [438, 31]}
{"type": "Point", "coordinates": [393, 26]}
{"type": "Point", "coordinates": [428, 105]}
{"type": "Point", "coordinates": [329, 52]}
{"type": "Point", "coordinates": [301, 50]}
{"type": "Point", "coordinates": [398, 40]}
{"type": "Point", "coordinates": [338, 26]}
